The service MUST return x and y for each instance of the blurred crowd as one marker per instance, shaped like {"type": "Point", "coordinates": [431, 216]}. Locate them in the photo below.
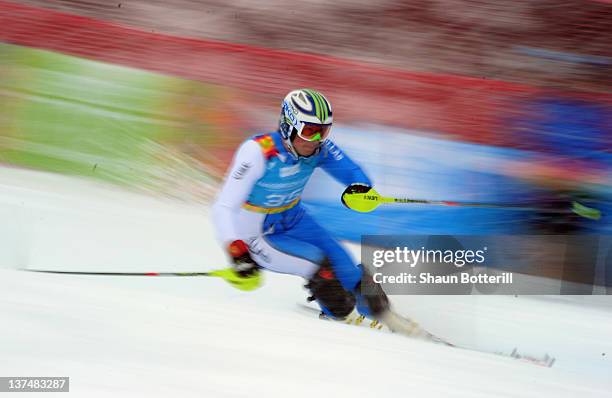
{"type": "Point", "coordinates": [563, 44]}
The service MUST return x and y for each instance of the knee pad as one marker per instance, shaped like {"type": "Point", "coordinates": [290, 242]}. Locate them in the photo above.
{"type": "Point", "coordinates": [329, 293]}
{"type": "Point", "coordinates": [372, 294]}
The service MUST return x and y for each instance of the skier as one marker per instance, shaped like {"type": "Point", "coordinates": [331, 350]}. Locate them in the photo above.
{"type": "Point", "coordinates": [261, 222]}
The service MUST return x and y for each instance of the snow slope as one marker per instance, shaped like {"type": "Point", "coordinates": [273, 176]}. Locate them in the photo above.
{"type": "Point", "coordinates": [148, 336]}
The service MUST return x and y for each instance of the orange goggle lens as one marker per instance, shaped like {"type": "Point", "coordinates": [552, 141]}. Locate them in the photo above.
{"type": "Point", "coordinates": [315, 132]}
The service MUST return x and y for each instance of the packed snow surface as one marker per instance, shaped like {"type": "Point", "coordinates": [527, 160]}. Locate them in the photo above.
{"type": "Point", "coordinates": [196, 336]}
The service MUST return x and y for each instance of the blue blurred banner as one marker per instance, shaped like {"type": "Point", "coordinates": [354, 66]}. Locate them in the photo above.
{"type": "Point", "coordinates": [415, 166]}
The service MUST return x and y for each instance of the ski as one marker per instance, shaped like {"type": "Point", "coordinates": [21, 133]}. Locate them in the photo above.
{"type": "Point", "coordinates": [411, 329]}
{"type": "Point", "coordinates": [398, 324]}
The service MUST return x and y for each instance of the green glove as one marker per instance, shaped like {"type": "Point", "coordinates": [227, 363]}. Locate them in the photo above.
{"type": "Point", "coordinates": [586, 212]}
{"type": "Point", "coordinates": [245, 283]}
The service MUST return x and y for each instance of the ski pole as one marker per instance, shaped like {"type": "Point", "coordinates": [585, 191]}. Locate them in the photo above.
{"type": "Point", "coordinates": [367, 202]}
{"type": "Point", "coordinates": [227, 274]}
{"type": "Point", "coordinates": [212, 273]}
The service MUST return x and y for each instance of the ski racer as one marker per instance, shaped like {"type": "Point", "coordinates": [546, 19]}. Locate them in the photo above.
{"type": "Point", "coordinates": [262, 224]}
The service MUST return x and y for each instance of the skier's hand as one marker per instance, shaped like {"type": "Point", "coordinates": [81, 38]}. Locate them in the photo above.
{"type": "Point", "coordinates": [354, 188]}
{"type": "Point", "coordinates": [243, 264]}
{"type": "Point", "coordinates": [231, 276]}
{"type": "Point", "coordinates": [244, 274]}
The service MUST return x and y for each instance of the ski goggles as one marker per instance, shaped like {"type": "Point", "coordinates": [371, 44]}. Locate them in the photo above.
{"type": "Point", "coordinates": [314, 132]}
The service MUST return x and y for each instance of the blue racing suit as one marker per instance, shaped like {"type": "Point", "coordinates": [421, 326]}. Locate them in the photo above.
{"type": "Point", "coordinates": [260, 204]}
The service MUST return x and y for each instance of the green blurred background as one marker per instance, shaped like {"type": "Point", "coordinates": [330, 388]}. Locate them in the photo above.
{"type": "Point", "coordinates": [69, 115]}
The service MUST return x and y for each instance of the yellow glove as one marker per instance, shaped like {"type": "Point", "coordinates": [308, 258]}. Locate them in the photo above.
{"type": "Point", "coordinates": [245, 283]}
{"type": "Point", "coordinates": [351, 197]}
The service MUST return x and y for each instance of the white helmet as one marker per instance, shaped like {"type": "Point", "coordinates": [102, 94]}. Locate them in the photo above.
{"type": "Point", "coordinates": [307, 114]}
